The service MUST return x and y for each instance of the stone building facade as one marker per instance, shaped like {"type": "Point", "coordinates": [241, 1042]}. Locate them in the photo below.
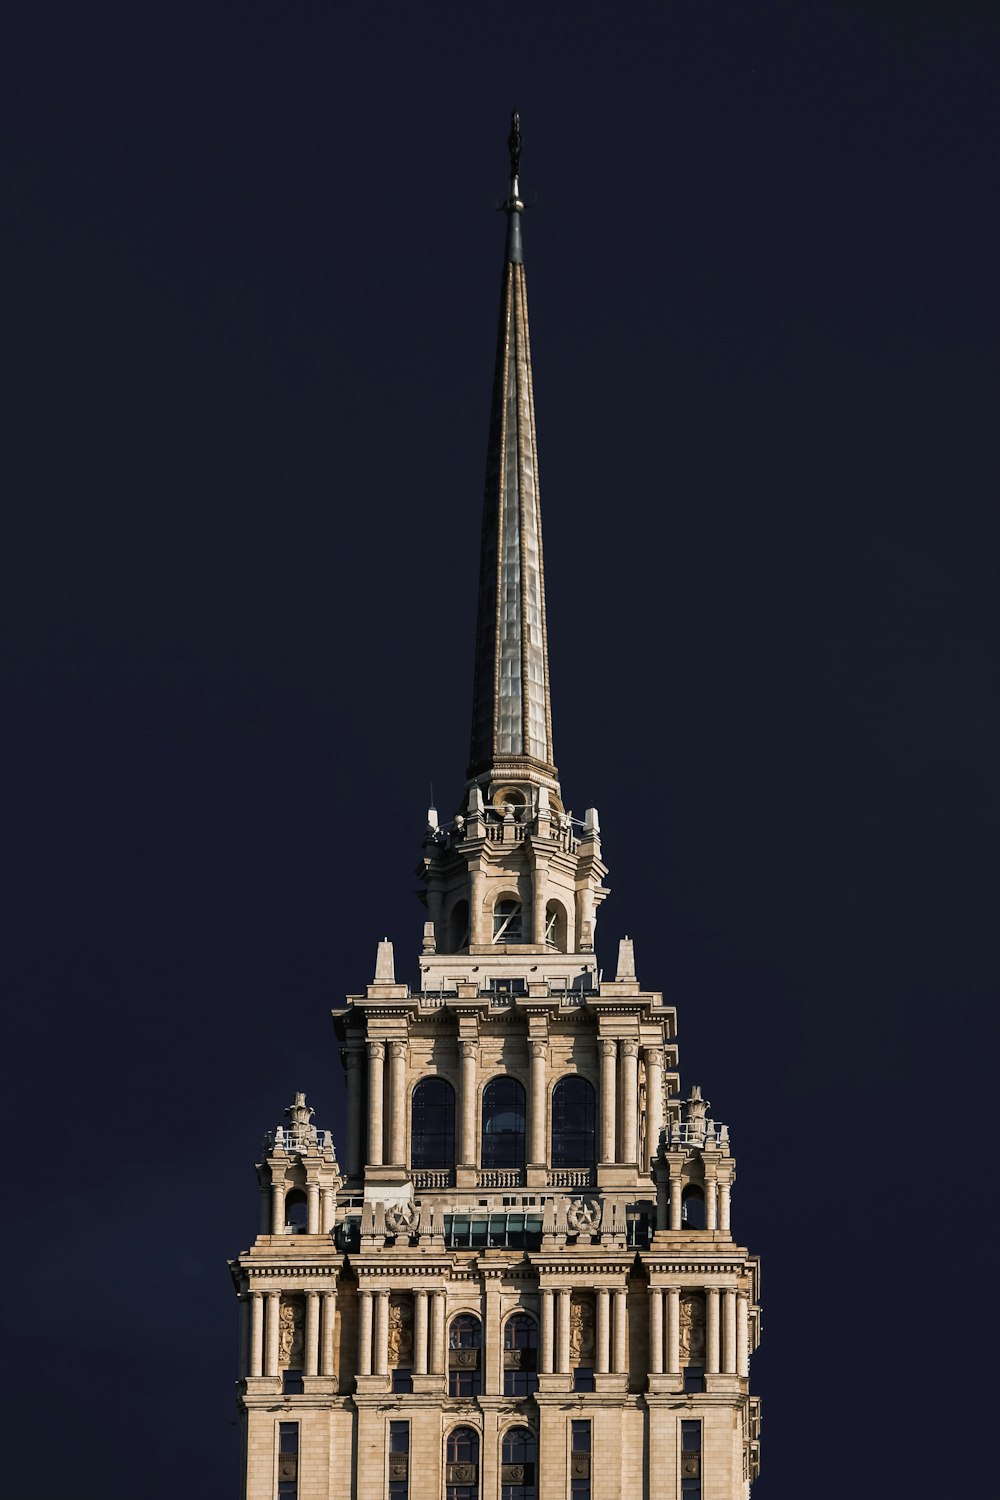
{"type": "Point", "coordinates": [519, 1281]}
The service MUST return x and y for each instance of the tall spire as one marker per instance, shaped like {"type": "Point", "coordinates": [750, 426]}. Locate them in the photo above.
{"type": "Point", "coordinates": [511, 711]}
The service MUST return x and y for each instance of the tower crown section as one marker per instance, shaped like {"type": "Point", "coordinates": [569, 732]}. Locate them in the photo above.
{"type": "Point", "coordinates": [526, 1258]}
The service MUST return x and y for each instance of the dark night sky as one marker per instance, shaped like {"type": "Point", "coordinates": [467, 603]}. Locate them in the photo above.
{"type": "Point", "coordinates": [251, 274]}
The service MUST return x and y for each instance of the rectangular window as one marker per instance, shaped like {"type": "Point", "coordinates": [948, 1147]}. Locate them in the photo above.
{"type": "Point", "coordinates": [402, 1381]}
{"type": "Point", "coordinates": [583, 1379]}
{"type": "Point", "coordinates": [694, 1378]}
{"type": "Point", "coordinates": [691, 1460]}
{"type": "Point", "coordinates": [579, 1461]}
{"type": "Point", "coordinates": [288, 1460]}
{"type": "Point", "coordinates": [399, 1461]}
{"type": "Point", "coordinates": [291, 1382]}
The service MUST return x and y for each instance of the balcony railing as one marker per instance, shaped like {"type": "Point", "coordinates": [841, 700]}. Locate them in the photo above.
{"type": "Point", "coordinates": [571, 1177]}
{"type": "Point", "coordinates": [500, 1177]}
{"type": "Point", "coordinates": [696, 1133]}
{"type": "Point", "coordinates": [426, 1179]}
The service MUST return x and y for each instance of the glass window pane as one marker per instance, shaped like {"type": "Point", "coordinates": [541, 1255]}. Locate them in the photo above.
{"type": "Point", "coordinates": [574, 1117]}
{"type": "Point", "coordinates": [503, 1123]}
{"type": "Point", "coordinates": [432, 1135]}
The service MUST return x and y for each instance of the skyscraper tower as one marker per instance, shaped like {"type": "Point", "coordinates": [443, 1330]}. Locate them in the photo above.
{"type": "Point", "coordinates": [520, 1283]}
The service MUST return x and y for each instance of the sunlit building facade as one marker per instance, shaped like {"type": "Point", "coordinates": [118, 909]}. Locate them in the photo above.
{"type": "Point", "coordinates": [518, 1280]}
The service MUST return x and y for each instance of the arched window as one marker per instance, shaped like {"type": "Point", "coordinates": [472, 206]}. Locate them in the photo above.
{"type": "Point", "coordinates": [458, 927]}
{"type": "Point", "coordinates": [432, 1124]}
{"type": "Point", "coordinates": [503, 1123]}
{"type": "Point", "coordinates": [692, 1207]}
{"type": "Point", "coordinates": [507, 922]}
{"type": "Point", "coordinates": [555, 926]}
{"type": "Point", "coordinates": [517, 1461]}
{"type": "Point", "coordinates": [296, 1212]}
{"type": "Point", "coordinates": [465, 1342]}
{"type": "Point", "coordinates": [574, 1112]}
{"type": "Point", "coordinates": [461, 1476]}
{"type": "Point", "coordinates": [520, 1355]}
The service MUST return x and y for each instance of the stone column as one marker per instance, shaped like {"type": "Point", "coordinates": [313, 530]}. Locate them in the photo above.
{"type": "Point", "coordinates": [278, 1205]}
{"type": "Point", "coordinates": [437, 1333]}
{"type": "Point", "coordinates": [244, 1354]}
{"type": "Point", "coordinates": [365, 1333]}
{"type": "Point", "coordinates": [537, 1154]}
{"type": "Point", "coordinates": [621, 1325]}
{"type": "Point", "coordinates": [724, 1208]}
{"type": "Point", "coordinates": [545, 1334]}
{"type": "Point", "coordinates": [675, 1200]}
{"type": "Point", "coordinates": [564, 1301]}
{"type": "Point", "coordinates": [271, 1352]}
{"type": "Point", "coordinates": [742, 1335]}
{"type": "Point", "coordinates": [397, 1102]}
{"type": "Point", "coordinates": [656, 1330]}
{"type": "Point", "coordinates": [311, 1365]}
{"type": "Point", "coordinates": [352, 1070]}
{"type": "Point", "coordinates": [381, 1337]}
{"type": "Point", "coordinates": [376, 1054]}
{"type": "Point", "coordinates": [654, 1104]}
{"type": "Point", "coordinates": [256, 1334]}
{"type": "Point", "coordinates": [609, 1052]}
{"type": "Point", "coordinates": [711, 1203]}
{"type": "Point", "coordinates": [712, 1330]}
{"type": "Point", "coordinates": [673, 1330]}
{"type": "Point", "coordinates": [420, 1333]}
{"type": "Point", "coordinates": [467, 1104]}
{"type": "Point", "coordinates": [329, 1321]}
{"type": "Point", "coordinates": [729, 1330]}
{"type": "Point", "coordinates": [327, 1209]}
{"type": "Point", "coordinates": [603, 1331]}
{"type": "Point", "coordinates": [476, 907]}
{"type": "Point", "coordinates": [628, 1100]}
{"type": "Point", "coordinates": [312, 1211]}
{"type": "Point", "coordinates": [540, 892]}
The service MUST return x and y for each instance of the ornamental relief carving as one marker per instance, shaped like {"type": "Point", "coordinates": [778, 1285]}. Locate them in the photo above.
{"type": "Point", "coordinates": [692, 1329]}
{"type": "Point", "coordinates": [583, 1216]}
{"type": "Point", "coordinates": [400, 1331]}
{"type": "Point", "coordinates": [582, 1345]}
{"type": "Point", "coordinates": [291, 1344]}
{"type": "Point", "coordinates": [400, 1218]}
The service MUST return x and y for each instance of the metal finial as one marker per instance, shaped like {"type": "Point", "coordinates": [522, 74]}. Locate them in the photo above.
{"type": "Point", "coordinates": [514, 143]}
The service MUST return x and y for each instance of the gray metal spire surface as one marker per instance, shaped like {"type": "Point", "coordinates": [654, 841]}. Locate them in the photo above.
{"type": "Point", "coordinates": [511, 714]}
